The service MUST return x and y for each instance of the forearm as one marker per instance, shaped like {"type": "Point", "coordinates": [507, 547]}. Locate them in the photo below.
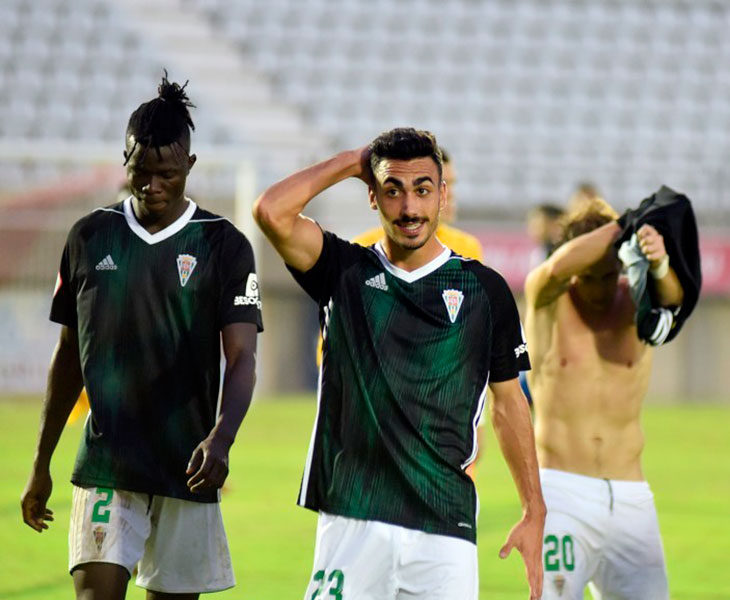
{"type": "Point", "coordinates": [63, 389]}
{"type": "Point", "coordinates": [238, 385]}
{"type": "Point", "coordinates": [668, 289]}
{"type": "Point", "coordinates": [580, 253]}
{"type": "Point", "coordinates": [277, 209]}
{"type": "Point", "coordinates": [513, 428]}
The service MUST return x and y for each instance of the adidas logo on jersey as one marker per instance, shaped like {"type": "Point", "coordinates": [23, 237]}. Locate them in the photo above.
{"type": "Point", "coordinates": [377, 282]}
{"type": "Point", "coordinates": [106, 264]}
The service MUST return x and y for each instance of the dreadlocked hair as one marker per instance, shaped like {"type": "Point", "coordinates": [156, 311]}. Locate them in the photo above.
{"type": "Point", "coordinates": [163, 121]}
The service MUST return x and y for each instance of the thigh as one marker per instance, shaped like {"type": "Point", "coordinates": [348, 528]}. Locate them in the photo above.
{"type": "Point", "coordinates": [436, 567]}
{"type": "Point", "coordinates": [633, 565]}
{"type": "Point", "coordinates": [107, 526]}
{"type": "Point", "coordinates": [571, 553]}
{"type": "Point", "coordinates": [100, 581]}
{"type": "Point", "coordinates": [353, 560]}
{"type": "Point", "coordinates": [187, 549]}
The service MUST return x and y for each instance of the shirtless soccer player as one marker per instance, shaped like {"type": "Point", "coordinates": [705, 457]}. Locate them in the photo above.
{"type": "Point", "coordinates": [590, 375]}
{"type": "Point", "coordinates": [412, 335]}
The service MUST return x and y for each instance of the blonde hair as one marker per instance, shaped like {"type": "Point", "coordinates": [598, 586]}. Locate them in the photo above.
{"type": "Point", "coordinates": [591, 213]}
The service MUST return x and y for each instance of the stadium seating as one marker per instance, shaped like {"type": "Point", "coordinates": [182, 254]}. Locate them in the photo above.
{"type": "Point", "coordinates": [531, 96]}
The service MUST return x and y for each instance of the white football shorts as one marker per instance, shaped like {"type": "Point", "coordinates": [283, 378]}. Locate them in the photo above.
{"type": "Point", "coordinates": [178, 546]}
{"type": "Point", "coordinates": [355, 559]}
{"type": "Point", "coordinates": [603, 533]}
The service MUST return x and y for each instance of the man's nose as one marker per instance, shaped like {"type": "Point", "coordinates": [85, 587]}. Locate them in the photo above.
{"type": "Point", "coordinates": [152, 185]}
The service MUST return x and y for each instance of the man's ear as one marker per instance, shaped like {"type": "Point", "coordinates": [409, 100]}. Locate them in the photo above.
{"type": "Point", "coordinates": [372, 199]}
{"type": "Point", "coordinates": [443, 196]}
{"type": "Point", "coordinates": [191, 161]}
{"type": "Point", "coordinates": [125, 154]}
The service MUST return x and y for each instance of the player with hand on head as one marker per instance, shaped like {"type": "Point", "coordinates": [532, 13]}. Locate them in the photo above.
{"type": "Point", "coordinates": [413, 334]}
{"type": "Point", "coordinates": [590, 373]}
{"type": "Point", "coordinates": [459, 241]}
{"type": "Point", "coordinates": [147, 289]}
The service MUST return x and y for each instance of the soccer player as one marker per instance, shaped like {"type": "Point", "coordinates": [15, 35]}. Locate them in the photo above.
{"type": "Point", "coordinates": [147, 289]}
{"type": "Point", "coordinates": [590, 374]}
{"type": "Point", "coordinates": [412, 336]}
{"type": "Point", "coordinates": [459, 241]}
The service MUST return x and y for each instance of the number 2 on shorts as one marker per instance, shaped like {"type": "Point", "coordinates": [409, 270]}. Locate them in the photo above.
{"type": "Point", "coordinates": [336, 581]}
{"type": "Point", "coordinates": [100, 514]}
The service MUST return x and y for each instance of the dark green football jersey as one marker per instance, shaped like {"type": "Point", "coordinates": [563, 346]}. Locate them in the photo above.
{"type": "Point", "coordinates": [149, 309]}
{"type": "Point", "coordinates": [406, 361]}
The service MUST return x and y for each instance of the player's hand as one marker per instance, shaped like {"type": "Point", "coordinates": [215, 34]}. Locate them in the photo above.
{"type": "Point", "coordinates": [365, 173]}
{"type": "Point", "coordinates": [651, 243]}
{"type": "Point", "coordinates": [34, 498]}
{"type": "Point", "coordinates": [208, 466]}
{"type": "Point", "coordinates": [526, 536]}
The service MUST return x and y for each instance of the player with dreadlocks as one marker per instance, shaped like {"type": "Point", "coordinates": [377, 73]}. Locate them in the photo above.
{"type": "Point", "coordinates": [146, 290]}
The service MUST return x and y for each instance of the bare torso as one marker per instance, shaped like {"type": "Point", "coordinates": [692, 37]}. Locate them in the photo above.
{"type": "Point", "coordinates": [590, 374]}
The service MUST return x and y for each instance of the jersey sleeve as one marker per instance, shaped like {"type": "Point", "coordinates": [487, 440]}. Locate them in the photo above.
{"type": "Point", "coordinates": [320, 281]}
{"type": "Point", "coordinates": [509, 348]}
{"type": "Point", "coordinates": [240, 299]}
{"type": "Point", "coordinates": [63, 305]}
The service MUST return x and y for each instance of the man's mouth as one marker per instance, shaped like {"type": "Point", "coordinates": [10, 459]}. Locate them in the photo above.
{"type": "Point", "coordinates": [410, 227]}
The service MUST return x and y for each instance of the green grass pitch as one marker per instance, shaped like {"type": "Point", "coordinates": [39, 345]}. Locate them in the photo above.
{"type": "Point", "coordinates": [687, 461]}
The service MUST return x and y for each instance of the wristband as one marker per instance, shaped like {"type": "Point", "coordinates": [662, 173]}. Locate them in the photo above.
{"type": "Point", "coordinates": [661, 269]}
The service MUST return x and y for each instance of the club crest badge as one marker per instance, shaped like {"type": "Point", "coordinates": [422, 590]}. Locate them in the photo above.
{"type": "Point", "coordinates": [99, 536]}
{"type": "Point", "coordinates": [185, 267]}
{"type": "Point", "coordinates": [559, 582]}
{"type": "Point", "coordinates": [453, 300]}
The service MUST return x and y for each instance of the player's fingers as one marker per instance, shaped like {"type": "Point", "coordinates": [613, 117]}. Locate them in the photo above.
{"type": "Point", "coordinates": [506, 549]}
{"type": "Point", "coordinates": [195, 461]}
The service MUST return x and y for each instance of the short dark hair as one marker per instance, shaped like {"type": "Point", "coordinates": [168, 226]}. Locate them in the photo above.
{"type": "Point", "coordinates": [405, 143]}
{"type": "Point", "coordinates": [163, 120]}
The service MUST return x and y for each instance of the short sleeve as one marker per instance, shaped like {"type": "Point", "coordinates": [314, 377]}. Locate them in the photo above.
{"type": "Point", "coordinates": [240, 299]}
{"type": "Point", "coordinates": [337, 255]}
{"type": "Point", "coordinates": [509, 348]}
{"type": "Point", "coordinates": [63, 305]}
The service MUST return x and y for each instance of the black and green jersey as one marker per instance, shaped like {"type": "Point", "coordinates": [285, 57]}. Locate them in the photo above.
{"type": "Point", "coordinates": [406, 360]}
{"type": "Point", "coordinates": [149, 309]}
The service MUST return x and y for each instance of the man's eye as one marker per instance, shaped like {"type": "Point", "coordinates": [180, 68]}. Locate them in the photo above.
{"type": "Point", "coordinates": [392, 192]}
{"type": "Point", "coordinates": [423, 191]}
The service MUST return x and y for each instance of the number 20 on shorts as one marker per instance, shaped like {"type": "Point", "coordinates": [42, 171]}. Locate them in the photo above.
{"type": "Point", "coordinates": [333, 584]}
{"type": "Point", "coordinates": [559, 549]}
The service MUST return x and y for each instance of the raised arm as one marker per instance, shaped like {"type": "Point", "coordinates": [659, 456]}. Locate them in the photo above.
{"type": "Point", "coordinates": [513, 428]}
{"type": "Point", "coordinates": [64, 385]}
{"type": "Point", "coordinates": [208, 467]}
{"type": "Point", "coordinates": [298, 239]}
{"type": "Point", "coordinates": [550, 279]}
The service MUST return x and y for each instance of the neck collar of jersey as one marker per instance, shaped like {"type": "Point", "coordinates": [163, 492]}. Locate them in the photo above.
{"type": "Point", "coordinates": [411, 276]}
{"type": "Point", "coordinates": [162, 234]}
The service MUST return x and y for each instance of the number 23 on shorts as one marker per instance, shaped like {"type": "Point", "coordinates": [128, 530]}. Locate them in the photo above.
{"type": "Point", "coordinates": [333, 584]}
